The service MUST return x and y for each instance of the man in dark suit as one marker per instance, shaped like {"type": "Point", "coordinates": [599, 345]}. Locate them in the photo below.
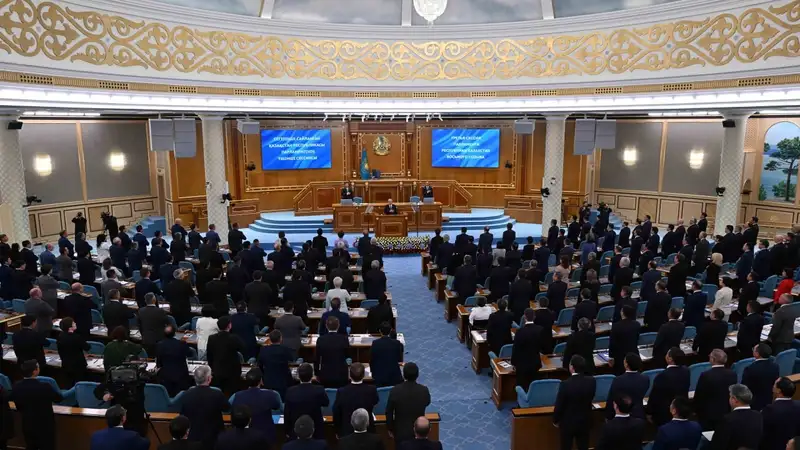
{"type": "Point", "coordinates": [742, 427]}
{"type": "Point", "coordinates": [649, 280]}
{"type": "Point", "coordinates": [485, 240]}
{"type": "Point", "coordinates": [778, 256]}
{"type": "Point", "coordinates": [79, 307]}
{"type": "Point", "coordinates": [444, 257]}
{"type": "Point", "coordinates": [574, 230]}
{"type": "Point", "coordinates": [694, 309]}
{"type": "Point", "coordinates": [386, 354]}
{"type": "Point", "coordinates": [557, 293]}
{"type": "Point", "coordinates": [261, 404]}
{"type": "Point", "coordinates": [422, 428]}
{"type": "Point", "coordinates": [30, 259]}
{"type": "Point", "coordinates": [361, 438]}
{"type": "Point", "coordinates": [669, 335]}
{"type": "Point", "coordinates": [115, 313]}
{"type": "Point", "coordinates": [28, 343]}
{"type": "Point", "coordinates": [658, 306]}
{"type": "Point", "coordinates": [581, 342]}
{"type": "Point", "coordinates": [331, 355]}
{"type": "Point", "coordinates": [179, 293]}
{"type": "Point", "coordinates": [609, 239]}
{"type": "Point", "coordinates": [526, 352]}
{"type": "Point", "coordinates": [624, 236]}
{"type": "Point", "coordinates": [630, 384]}
{"type": "Point", "coordinates": [637, 243]}
{"type": "Point", "coordinates": [586, 307]}
{"type": "Point", "coordinates": [259, 296]}
{"type": "Point", "coordinates": [711, 394]}
{"type": "Point", "coordinates": [461, 240]}
{"type": "Point", "coordinates": [711, 335]}
{"type": "Point", "coordinates": [529, 249]}
{"type": "Point", "coordinates": [152, 321]}
{"type": "Point", "coordinates": [352, 397]}
{"type": "Point", "coordinates": [498, 327]}
{"type": "Point", "coordinates": [273, 360]}
{"type": "Point", "coordinates": [144, 286]}
{"type": "Point", "coordinates": [34, 402]}
{"type": "Point", "coordinates": [745, 263]}
{"type": "Point", "coordinates": [782, 417]}
{"type": "Point", "coordinates": [623, 276]}
{"type": "Point", "coordinates": [171, 355]}
{"type": "Point", "coordinates": [749, 334]}
{"type": "Point", "coordinates": [671, 383]}
{"type": "Point", "coordinates": [499, 280]}
{"type": "Point", "coordinates": [520, 296]}
{"type": "Point", "coordinates": [390, 208]}
{"type": "Point", "coordinates": [204, 407]}
{"type": "Point", "coordinates": [241, 436]}
{"type": "Point", "coordinates": [760, 376]}
{"type": "Point", "coordinates": [542, 257]}
{"type": "Point", "coordinates": [669, 244]}
{"type": "Point", "coordinates": [623, 432]}
{"type": "Point", "coordinates": [305, 399]}
{"type": "Point", "coordinates": [179, 431]}
{"type": "Point", "coordinates": [115, 436]}
{"type": "Point", "coordinates": [573, 407]}
{"type": "Point", "coordinates": [223, 356]}
{"type": "Point", "coordinates": [306, 432]}
{"type": "Point", "coordinates": [761, 261]}
{"type": "Point", "coordinates": [407, 401]}
{"type": "Point", "coordinates": [509, 236]}
{"type": "Point", "coordinates": [466, 278]}
{"type": "Point", "coordinates": [71, 346]}
{"type": "Point", "coordinates": [680, 432]}
{"type": "Point", "coordinates": [624, 338]}
{"type": "Point", "coordinates": [781, 335]}
{"type": "Point", "coordinates": [215, 294]}
{"type": "Point", "coordinates": [625, 299]}
{"type": "Point", "coordinates": [545, 318]}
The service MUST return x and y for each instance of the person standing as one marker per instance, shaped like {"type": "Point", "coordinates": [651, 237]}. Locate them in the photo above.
{"type": "Point", "coordinates": [781, 417]}
{"type": "Point", "coordinates": [241, 436]}
{"type": "Point", "coordinates": [760, 376]}
{"type": "Point", "coordinates": [407, 401]}
{"type": "Point", "coordinates": [34, 401]}
{"type": "Point", "coordinates": [742, 427]}
{"type": "Point", "coordinates": [711, 394]}
{"type": "Point", "coordinates": [671, 383]}
{"type": "Point", "coordinates": [71, 346]}
{"type": "Point", "coordinates": [223, 353]}
{"type": "Point", "coordinates": [526, 352]}
{"type": "Point", "coordinates": [781, 335]}
{"type": "Point", "coordinates": [573, 407]}
{"type": "Point", "coordinates": [115, 436]}
{"type": "Point", "coordinates": [305, 400]}
{"type": "Point", "coordinates": [623, 432]}
{"type": "Point", "coordinates": [631, 384]}
{"type": "Point", "coordinates": [204, 407]}
{"type": "Point", "coordinates": [261, 403]}
{"type": "Point", "coordinates": [680, 432]}
{"type": "Point", "coordinates": [361, 438]}
{"type": "Point", "coordinates": [152, 321]}
{"type": "Point", "coordinates": [171, 355]}
{"type": "Point", "coordinates": [351, 398]}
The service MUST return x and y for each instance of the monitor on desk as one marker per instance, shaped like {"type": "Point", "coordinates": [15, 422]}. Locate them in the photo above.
{"type": "Point", "coordinates": [427, 200]}
{"type": "Point", "coordinates": [347, 201]}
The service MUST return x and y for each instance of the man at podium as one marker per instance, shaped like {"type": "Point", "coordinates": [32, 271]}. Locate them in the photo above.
{"type": "Point", "coordinates": [347, 193]}
{"type": "Point", "coordinates": [390, 208]}
{"type": "Point", "coordinates": [427, 191]}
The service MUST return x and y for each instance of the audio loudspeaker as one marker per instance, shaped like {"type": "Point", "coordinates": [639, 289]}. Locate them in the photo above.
{"type": "Point", "coordinates": [185, 138]}
{"type": "Point", "coordinates": [524, 126]}
{"type": "Point", "coordinates": [247, 126]}
{"type": "Point", "coordinates": [161, 135]}
{"type": "Point", "coordinates": [728, 123]}
{"type": "Point", "coordinates": [605, 134]}
{"type": "Point", "coordinates": [15, 125]}
{"type": "Point", "coordinates": [584, 137]}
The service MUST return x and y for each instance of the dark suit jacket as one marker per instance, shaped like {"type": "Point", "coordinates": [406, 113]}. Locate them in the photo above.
{"type": "Point", "coordinates": [310, 444]}
{"type": "Point", "coordinates": [420, 444]}
{"type": "Point", "coordinates": [739, 429]}
{"type": "Point", "coordinates": [622, 433]}
{"type": "Point", "coordinates": [375, 283]}
{"type": "Point", "coordinates": [361, 441]}
{"type": "Point", "coordinates": [216, 295]}
{"type": "Point", "coordinates": [498, 330]}
{"type": "Point", "coordinates": [182, 444]}
{"type": "Point", "coordinates": [649, 280]}
{"type": "Point", "coordinates": [34, 401]}
{"type": "Point", "coordinates": [499, 282]}
{"type": "Point", "coordinates": [179, 294]}
{"type": "Point", "coordinates": [573, 406]}
{"type": "Point", "coordinates": [305, 399]}
{"type": "Point", "coordinates": [407, 401]}
{"type": "Point", "coordinates": [545, 319]}
{"type": "Point", "coordinates": [331, 364]}
{"type": "Point", "coordinates": [508, 238]}
{"type": "Point", "coordinates": [116, 314]}
{"type": "Point", "coordinates": [623, 276]}
{"type": "Point", "coordinates": [79, 307]}
{"type": "Point", "coordinates": [377, 315]}
{"type": "Point", "coordinates": [242, 439]}
{"type": "Point", "coordinates": [466, 278]}
{"type": "Point", "coordinates": [657, 308]}
{"type": "Point", "coordinates": [620, 304]}
{"type": "Point", "coordinates": [632, 384]}
{"type": "Point", "coordinates": [669, 335]}
{"type": "Point", "coordinates": [667, 385]}
{"type": "Point", "coordinates": [678, 435]}
{"type": "Point", "coordinates": [259, 296]}
{"type": "Point", "coordinates": [527, 348]}
{"type": "Point", "coordinates": [761, 264]}
{"type": "Point", "coordinates": [623, 339]}
{"type": "Point", "coordinates": [585, 308]}
{"type": "Point", "coordinates": [711, 396]}
{"type": "Point", "coordinates": [759, 377]}
{"type": "Point", "coordinates": [676, 280]}
{"type": "Point", "coordinates": [694, 309]}
{"type": "Point", "coordinates": [749, 334]}
{"type": "Point", "coordinates": [386, 354]}
{"type": "Point", "coordinates": [144, 286]}
{"type": "Point", "coordinates": [350, 398]}
{"type": "Point", "coordinates": [557, 294]}
{"type": "Point", "coordinates": [204, 405]}
{"type": "Point", "coordinates": [273, 360]}
{"type": "Point", "coordinates": [223, 355]}
{"type": "Point", "coordinates": [119, 439]}
{"type": "Point", "coordinates": [171, 356]}
{"type": "Point", "coordinates": [520, 296]}
{"type": "Point", "coordinates": [710, 335]}
{"type": "Point", "coordinates": [70, 348]}
{"type": "Point", "coordinates": [580, 343]}
{"type": "Point", "coordinates": [262, 403]}
{"type": "Point", "coordinates": [152, 321]}
{"type": "Point", "coordinates": [781, 423]}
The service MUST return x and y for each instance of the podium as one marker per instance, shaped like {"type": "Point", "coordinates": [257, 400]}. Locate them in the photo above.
{"type": "Point", "coordinates": [356, 218]}
{"type": "Point", "coordinates": [391, 226]}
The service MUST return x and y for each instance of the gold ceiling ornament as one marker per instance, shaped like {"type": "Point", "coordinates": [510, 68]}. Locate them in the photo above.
{"type": "Point", "coordinates": [381, 145]}
{"type": "Point", "coordinates": [33, 27]}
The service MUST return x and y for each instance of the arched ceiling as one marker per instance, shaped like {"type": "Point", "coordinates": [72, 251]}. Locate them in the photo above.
{"type": "Point", "coordinates": [390, 12]}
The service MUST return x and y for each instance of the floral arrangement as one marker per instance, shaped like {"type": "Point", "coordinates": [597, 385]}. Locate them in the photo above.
{"type": "Point", "coordinates": [401, 245]}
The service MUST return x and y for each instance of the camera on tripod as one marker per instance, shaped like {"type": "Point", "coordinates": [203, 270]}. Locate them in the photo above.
{"type": "Point", "coordinates": [126, 381]}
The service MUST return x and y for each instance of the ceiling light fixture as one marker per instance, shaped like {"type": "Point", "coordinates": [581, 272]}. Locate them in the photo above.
{"type": "Point", "coordinates": [117, 161]}
{"type": "Point", "coordinates": [629, 157]}
{"type": "Point", "coordinates": [42, 164]}
{"type": "Point", "coordinates": [696, 158]}
{"type": "Point", "coordinates": [430, 10]}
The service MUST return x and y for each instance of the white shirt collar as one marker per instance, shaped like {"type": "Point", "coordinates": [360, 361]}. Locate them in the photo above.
{"type": "Point", "coordinates": [741, 407]}
{"type": "Point", "coordinates": [679, 420]}
{"type": "Point", "coordinates": [782, 398]}
{"type": "Point", "coordinates": [622, 415]}
{"type": "Point", "coordinates": [631, 371]}
{"type": "Point", "coordinates": [671, 365]}
{"type": "Point", "coordinates": [359, 432]}
{"type": "Point", "coordinates": [356, 382]}
{"type": "Point", "coordinates": [718, 365]}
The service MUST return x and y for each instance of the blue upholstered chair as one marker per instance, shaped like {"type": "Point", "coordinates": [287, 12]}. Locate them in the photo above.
{"type": "Point", "coordinates": [68, 395]}
{"type": "Point", "coordinates": [97, 317]}
{"type": "Point", "coordinates": [785, 361]}
{"type": "Point", "coordinates": [157, 399]}
{"type": "Point", "coordinates": [573, 292]}
{"type": "Point", "coordinates": [473, 300]}
{"type": "Point", "coordinates": [641, 308]}
{"type": "Point", "coordinates": [602, 386]}
{"type": "Point", "coordinates": [677, 302]}
{"type": "Point", "coordinates": [651, 374]}
{"type": "Point", "coordinates": [414, 199]}
{"type": "Point", "coordinates": [328, 410]}
{"type": "Point", "coordinates": [740, 365]}
{"type": "Point", "coordinates": [84, 395]}
{"type": "Point", "coordinates": [505, 352]}
{"type": "Point", "coordinates": [64, 286]}
{"type": "Point", "coordinates": [689, 332]}
{"type": "Point", "coordinates": [770, 284]}
{"type": "Point", "coordinates": [695, 370]}
{"type": "Point", "coordinates": [96, 348]}
{"type": "Point", "coordinates": [548, 278]}
{"type": "Point", "coordinates": [358, 200]}
{"type": "Point", "coordinates": [576, 275]}
{"type": "Point", "coordinates": [367, 304]}
{"type": "Point", "coordinates": [565, 317]}
{"type": "Point", "coordinates": [647, 338]}
{"type": "Point", "coordinates": [540, 393]}
{"type": "Point", "coordinates": [605, 314]}
{"type": "Point", "coordinates": [601, 343]}
{"type": "Point", "coordinates": [383, 399]}
{"type": "Point", "coordinates": [5, 382]}
{"type": "Point", "coordinates": [559, 348]}
{"type": "Point", "coordinates": [18, 305]}
{"type": "Point", "coordinates": [711, 291]}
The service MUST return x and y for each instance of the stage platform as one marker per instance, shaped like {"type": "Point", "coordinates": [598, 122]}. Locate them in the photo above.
{"type": "Point", "coordinates": [301, 228]}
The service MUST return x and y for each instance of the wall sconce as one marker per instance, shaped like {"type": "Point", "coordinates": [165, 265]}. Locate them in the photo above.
{"type": "Point", "coordinates": [42, 164]}
{"type": "Point", "coordinates": [629, 156]}
{"type": "Point", "coordinates": [696, 159]}
{"type": "Point", "coordinates": [117, 161]}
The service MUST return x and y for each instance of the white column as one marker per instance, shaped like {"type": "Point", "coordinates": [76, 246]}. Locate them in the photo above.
{"type": "Point", "coordinates": [553, 169]}
{"type": "Point", "coordinates": [214, 163]}
{"type": "Point", "coordinates": [12, 184]}
{"type": "Point", "coordinates": [730, 172]}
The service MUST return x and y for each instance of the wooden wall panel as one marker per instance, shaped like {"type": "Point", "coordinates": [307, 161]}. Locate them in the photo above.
{"type": "Point", "coordinates": [534, 159]}
{"type": "Point", "coordinates": [691, 209]}
{"type": "Point", "coordinates": [188, 174]}
{"type": "Point", "coordinates": [648, 206]}
{"type": "Point", "coordinates": [393, 165]}
{"type": "Point", "coordinates": [122, 211]}
{"type": "Point", "coordinates": [625, 202]}
{"type": "Point", "coordinates": [50, 223]}
{"type": "Point", "coordinates": [668, 211]}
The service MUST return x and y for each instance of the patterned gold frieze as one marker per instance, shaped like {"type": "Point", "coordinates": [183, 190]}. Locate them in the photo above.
{"type": "Point", "coordinates": [35, 28]}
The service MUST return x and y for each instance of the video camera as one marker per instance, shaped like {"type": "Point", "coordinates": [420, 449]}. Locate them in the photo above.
{"type": "Point", "coordinates": [126, 382]}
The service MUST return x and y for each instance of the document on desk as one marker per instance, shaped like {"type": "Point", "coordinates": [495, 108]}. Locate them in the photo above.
{"type": "Point", "coordinates": [95, 363]}
{"type": "Point", "coordinates": [708, 435]}
{"type": "Point", "coordinates": [603, 355]}
{"type": "Point", "coordinates": [505, 365]}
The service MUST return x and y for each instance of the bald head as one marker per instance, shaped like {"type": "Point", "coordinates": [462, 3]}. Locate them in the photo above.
{"type": "Point", "coordinates": [422, 427]}
{"type": "Point", "coordinates": [77, 287]}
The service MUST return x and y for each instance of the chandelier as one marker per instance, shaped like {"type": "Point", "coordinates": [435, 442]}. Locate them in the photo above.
{"type": "Point", "coordinates": [430, 10]}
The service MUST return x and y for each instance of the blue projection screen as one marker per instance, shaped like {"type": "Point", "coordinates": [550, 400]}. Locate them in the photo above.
{"type": "Point", "coordinates": [465, 147]}
{"type": "Point", "coordinates": [295, 149]}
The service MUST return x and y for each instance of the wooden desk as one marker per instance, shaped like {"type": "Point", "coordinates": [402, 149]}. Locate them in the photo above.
{"type": "Point", "coordinates": [441, 286]}
{"type": "Point", "coordinates": [452, 301]}
{"type": "Point", "coordinates": [426, 258]}
{"type": "Point", "coordinates": [358, 318]}
{"type": "Point", "coordinates": [462, 328]}
{"type": "Point", "coordinates": [391, 226]}
{"type": "Point", "coordinates": [353, 218]}
{"type": "Point", "coordinates": [433, 269]}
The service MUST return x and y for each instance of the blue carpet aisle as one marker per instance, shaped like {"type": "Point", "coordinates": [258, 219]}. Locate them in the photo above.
{"type": "Point", "coordinates": [469, 419]}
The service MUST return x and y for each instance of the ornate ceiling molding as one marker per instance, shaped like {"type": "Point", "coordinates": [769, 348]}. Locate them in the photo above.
{"type": "Point", "coordinates": [49, 34]}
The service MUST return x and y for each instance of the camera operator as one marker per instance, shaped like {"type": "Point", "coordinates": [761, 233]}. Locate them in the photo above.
{"type": "Point", "coordinates": [124, 386]}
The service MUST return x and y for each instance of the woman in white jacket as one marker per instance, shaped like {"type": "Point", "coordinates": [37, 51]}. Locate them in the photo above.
{"type": "Point", "coordinates": [724, 295]}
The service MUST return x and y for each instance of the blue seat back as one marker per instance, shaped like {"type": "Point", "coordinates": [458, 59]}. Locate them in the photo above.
{"type": "Point", "coordinates": [328, 410]}
{"type": "Point", "coordinates": [97, 317]}
{"type": "Point", "coordinates": [576, 274]}
{"type": "Point", "coordinates": [96, 348]}
{"type": "Point", "coordinates": [695, 370]}
{"type": "Point", "coordinates": [172, 322]}
{"type": "Point", "coordinates": [358, 200]}
{"type": "Point", "coordinates": [603, 272]}
{"type": "Point", "coordinates": [414, 199]}
{"type": "Point", "coordinates": [63, 285]}
{"type": "Point", "coordinates": [52, 344]}
{"type": "Point", "coordinates": [740, 365]}
{"type": "Point", "coordinates": [605, 314]}
{"type": "Point", "coordinates": [194, 322]}
{"type": "Point", "coordinates": [565, 317]}
{"type": "Point", "coordinates": [548, 278]}
{"type": "Point", "coordinates": [573, 292]}
{"type": "Point", "coordinates": [473, 300]}
{"type": "Point", "coordinates": [559, 348]}
{"type": "Point", "coordinates": [636, 285]}
{"type": "Point", "coordinates": [602, 386]}
{"type": "Point", "coordinates": [5, 382]}
{"type": "Point", "coordinates": [542, 393]}
{"type": "Point", "coordinates": [670, 259]}
{"type": "Point", "coordinates": [677, 302]}
{"type": "Point", "coordinates": [156, 399]}
{"type": "Point", "coordinates": [601, 343]}
{"type": "Point", "coordinates": [552, 260]}
{"type": "Point", "coordinates": [651, 374]}
{"type": "Point", "coordinates": [136, 275]}
{"type": "Point", "coordinates": [711, 291]}
{"type": "Point", "coordinates": [647, 338]}
{"type": "Point", "coordinates": [18, 305]}
{"type": "Point", "coordinates": [383, 399]}
{"type": "Point", "coordinates": [540, 296]}
{"type": "Point", "coordinates": [84, 394]}
{"type": "Point", "coordinates": [689, 332]}
{"type": "Point", "coordinates": [785, 361]}
{"type": "Point", "coordinates": [641, 307]}
{"type": "Point", "coordinates": [505, 351]}
{"type": "Point", "coordinates": [367, 304]}
{"type": "Point", "coordinates": [769, 286]}
{"type": "Point", "coordinates": [605, 289]}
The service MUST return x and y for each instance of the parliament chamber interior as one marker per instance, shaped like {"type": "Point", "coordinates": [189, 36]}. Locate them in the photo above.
{"type": "Point", "coordinates": [399, 224]}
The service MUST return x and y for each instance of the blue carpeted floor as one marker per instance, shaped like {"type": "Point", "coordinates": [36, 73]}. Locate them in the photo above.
{"type": "Point", "coordinates": [469, 418]}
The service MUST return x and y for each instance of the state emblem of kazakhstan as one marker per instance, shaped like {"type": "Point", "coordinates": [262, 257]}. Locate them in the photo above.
{"type": "Point", "coordinates": [381, 146]}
